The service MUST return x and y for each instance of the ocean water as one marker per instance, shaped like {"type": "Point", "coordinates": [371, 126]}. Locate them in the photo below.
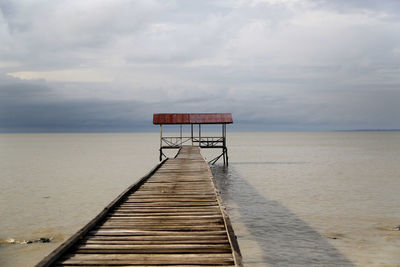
{"type": "Point", "coordinates": [295, 199]}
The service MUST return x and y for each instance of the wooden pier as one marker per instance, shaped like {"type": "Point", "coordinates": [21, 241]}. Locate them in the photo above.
{"type": "Point", "coordinates": [171, 217]}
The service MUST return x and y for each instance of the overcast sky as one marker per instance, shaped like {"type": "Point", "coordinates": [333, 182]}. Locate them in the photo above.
{"type": "Point", "coordinates": [275, 64]}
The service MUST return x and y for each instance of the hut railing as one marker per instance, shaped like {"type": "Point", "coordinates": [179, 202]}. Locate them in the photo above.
{"type": "Point", "coordinates": [203, 141]}
{"type": "Point", "coordinates": [209, 141]}
{"type": "Point", "coordinates": [174, 141]}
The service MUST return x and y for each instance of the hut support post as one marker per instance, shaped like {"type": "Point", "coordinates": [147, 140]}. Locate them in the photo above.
{"type": "Point", "coordinates": [224, 148]}
{"type": "Point", "coordinates": [161, 153]}
{"type": "Point", "coordinates": [223, 144]}
{"type": "Point", "coordinates": [200, 135]}
{"type": "Point", "coordinates": [181, 136]}
{"type": "Point", "coordinates": [191, 126]}
{"type": "Point", "coordinates": [224, 153]}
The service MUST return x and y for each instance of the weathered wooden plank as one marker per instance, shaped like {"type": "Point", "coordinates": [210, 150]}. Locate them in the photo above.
{"type": "Point", "coordinates": [145, 265]}
{"type": "Point", "coordinates": [189, 256]}
{"type": "Point", "coordinates": [161, 201]}
{"type": "Point", "coordinates": [149, 259]}
{"type": "Point", "coordinates": [128, 221]}
{"type": "Point", "coordinates": [157, 238]}
{"type": "Point", "coordinates": [159, 242]}
{"type": "Point", "coordinates": [169, 227]}
{"type": "Point", "coordinates": [170, 204]}
{"type": "Point", "coordinates": [177, 187]}
{"type": "Point", "coordinates": [167, 210]}
{"type": "Point", "coordinates": [158, 214]}
{"type": "Point", "coordinates": [166, 216]}
{"type": "Point", "coordinates": [159, 233]}
{"type": "Point", "coordinates": [175, 183]}
{"type": "Point", "coordinates": [173, 224]}
{"type": "Point", "coordinates": [149, 262]}
{"type": "Point", "coordinates": [159, 248]}
{"type": "Point", "coordinates": [170, 199]}
{"type": "Point", "coordinates": [124, 206]}
{"type": "Point", "coordinates": [176, 194]}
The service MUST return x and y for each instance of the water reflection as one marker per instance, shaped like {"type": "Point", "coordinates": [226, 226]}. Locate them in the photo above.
{"type": "Point", "coordinates": [283, 238]}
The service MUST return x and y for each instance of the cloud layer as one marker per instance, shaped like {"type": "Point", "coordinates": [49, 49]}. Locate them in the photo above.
{"type": "Point", "coordinates": [277, 65]}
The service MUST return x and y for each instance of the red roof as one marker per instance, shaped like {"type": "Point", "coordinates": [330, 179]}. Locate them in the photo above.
{"type": "Point", "coordinates": [192, 118]}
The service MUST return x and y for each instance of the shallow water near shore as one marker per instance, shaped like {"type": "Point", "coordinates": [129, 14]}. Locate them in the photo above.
{"type": "Point", "coordinates": [295, 199]}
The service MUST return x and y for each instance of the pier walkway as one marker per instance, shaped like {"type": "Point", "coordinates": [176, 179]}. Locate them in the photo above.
{"type": "Point", "coordinates": [171, 217]}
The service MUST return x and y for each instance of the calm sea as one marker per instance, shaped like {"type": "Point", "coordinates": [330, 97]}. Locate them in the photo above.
{"type": "Point", "coordinates": [305, 199]}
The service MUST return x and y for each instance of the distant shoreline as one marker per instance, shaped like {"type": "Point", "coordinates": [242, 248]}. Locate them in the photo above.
{"type": "Point", "coordinates": [370, 130]}
{"type": "Point", "coordinates": [233, 131]}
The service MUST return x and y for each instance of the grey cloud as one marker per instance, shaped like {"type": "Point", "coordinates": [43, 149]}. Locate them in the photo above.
{"type": "Point", "coordinates": [27, 108]}
{"type": "Point", "coordinates": [389, 6]}
{"type": "Point", "coordinates": [56, 34]}
{"type": "Point", "coordinates": [276, 65]}
{"type": "Point", "coordinates": [64, 115]}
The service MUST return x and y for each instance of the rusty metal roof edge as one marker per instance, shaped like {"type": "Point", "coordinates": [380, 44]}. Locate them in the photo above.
{"type": "Point", "coordinates": [192, 118]}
